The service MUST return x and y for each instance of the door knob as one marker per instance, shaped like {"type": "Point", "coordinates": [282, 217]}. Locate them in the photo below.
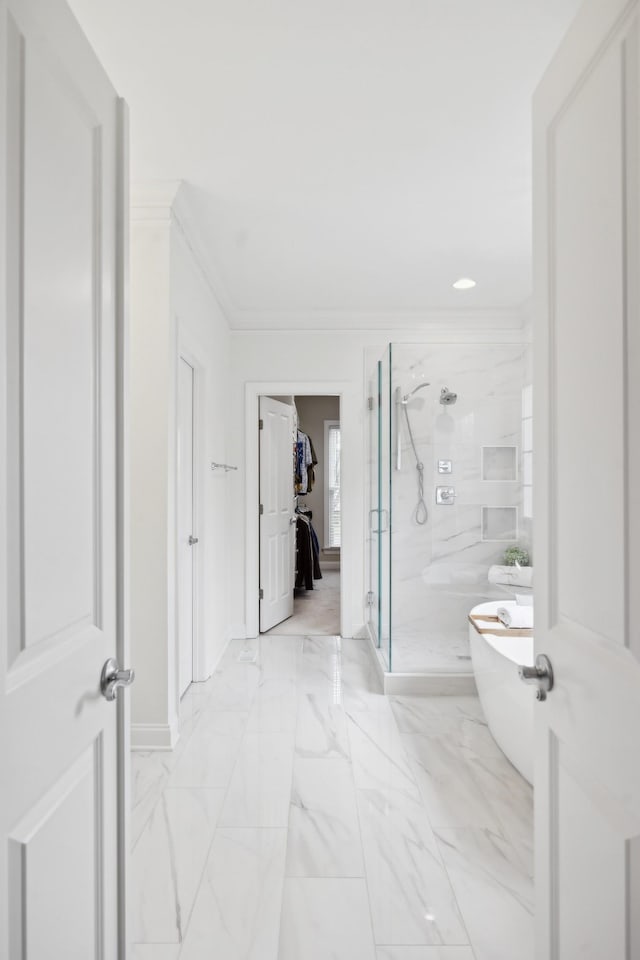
{"type": "Point", "coordinates": [112, 678]}
{"type": "Point", "coordinates": [541, 674]}
{"type": "Point", "coordinates": [192, 539]}
{"type": "Point", "coordinates": [293, 519]}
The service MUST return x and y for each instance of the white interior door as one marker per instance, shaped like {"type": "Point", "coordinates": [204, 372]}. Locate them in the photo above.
{"type": "Point", "coordinates": [62, 613]}
{"type": "Point", "coordinates": [277, 521]}
{"type": "Point", "coordinates": [587, 487]}
{"type": "Point", "coordinates": [187, 540]}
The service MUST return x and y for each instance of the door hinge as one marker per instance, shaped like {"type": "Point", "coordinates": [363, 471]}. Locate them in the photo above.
{"type": "Point", "coordinates": [261, 509]}
{"type": "Point", "coordinates": [261, 424]}
{"type": "Point", "coordinates": [370, 403]}
{"type": "Point", "coordinates": [370, 598]}
{"type": "Point", "coordinates": [261, 594]}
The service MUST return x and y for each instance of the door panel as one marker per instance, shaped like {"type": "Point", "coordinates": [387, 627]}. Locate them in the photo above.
{"type": "Point", "coordinates": [277, 534]}
{"type": "Point", "coordinates": [586, 519]}
{"type": "Point", "coordinates": [61, 494]}
{"type": "Point", "coordinates": [185, 524]}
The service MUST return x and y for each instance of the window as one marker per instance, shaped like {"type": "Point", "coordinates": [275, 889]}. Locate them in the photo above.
{"type": "Point", "coordinates": [332, 483]}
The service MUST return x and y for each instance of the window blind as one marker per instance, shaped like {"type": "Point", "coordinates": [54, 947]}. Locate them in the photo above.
{"type": "Point", "coordinates": [332, 494]}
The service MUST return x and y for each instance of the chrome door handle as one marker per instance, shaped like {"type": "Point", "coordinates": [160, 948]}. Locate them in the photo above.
{"type": "Point", "coordinates": [541, 674]}
{"type": "Point", "coordinates": [293, 520]}
{"type": "Point", "coordinates": [381, 512]}
{"type": "Point", "coordinates": [112, 678]}
{"type": "Point", "coordinates": [192, 540]}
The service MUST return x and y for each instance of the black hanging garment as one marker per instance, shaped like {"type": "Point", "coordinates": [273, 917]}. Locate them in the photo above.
{"type": "Point", "coordinates": [308, 559]}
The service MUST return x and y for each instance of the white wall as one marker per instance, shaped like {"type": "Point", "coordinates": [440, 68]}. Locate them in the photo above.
{"type": "Point", "coordinates": [284, 358]}
{"type": "Point", "coordinates": [172, 309]}
{"type": "Point", "coordinates": [203, 335]}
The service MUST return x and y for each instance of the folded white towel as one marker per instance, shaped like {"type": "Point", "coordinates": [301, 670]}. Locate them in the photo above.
{"type": "Point", "coordinates": [518, 618]}
{"type": "Point", "coordinates": [513, 576]}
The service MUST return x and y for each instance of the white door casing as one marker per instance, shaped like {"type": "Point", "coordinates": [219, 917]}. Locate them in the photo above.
{"type": "Point", "coordinates": [186, 548]}
{"type": "Point", "coordinates": [277, 531]}
{"type": "Point", "coordinates": [62, 490]}
{"type": "Point", "coordinates": [587, 483]}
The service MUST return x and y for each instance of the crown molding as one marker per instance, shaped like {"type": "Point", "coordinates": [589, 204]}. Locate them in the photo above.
{"type": "Point", "coordinates": [167, 201]}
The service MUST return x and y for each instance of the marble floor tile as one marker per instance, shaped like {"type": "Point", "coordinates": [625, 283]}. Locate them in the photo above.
{"type": "Point", "coordinates": [167, 863]}
{"type": "Point", "coordinates": [433, 715]}
{"type": "Point", "coordinates": [260, 788]}
{"type": "Point", "coordinates": [277, 657]}
{"type": "Point", "coordinates": [324, 833]}
{"type": "Point", "coordinates": [425, 953]}
{"type": "Point", "coordinates": [237, 912]}
{"type": "Point", "coordinates": [150, 771]}
{"type": "Point", "coordinates": [274, 707]}
{"type": "Point", "coordinates": [377, 753]}
{"type": "Point", "coordinates": [321, 729]}
{"type": "Point", "coordinates": [324, 919]}
{"type": "Point", "coordinates": [449, 782]}
{"type": "Point", "coordinates": [412, 901]}
{"type": "Point", "coordinates": [494, 892]}
{"type": "Point", "coordinates": [320, 666]}
{"type": "Point", "coordinates": [211, 753]}
{"type": "Point", "coordinates": [233, 684]}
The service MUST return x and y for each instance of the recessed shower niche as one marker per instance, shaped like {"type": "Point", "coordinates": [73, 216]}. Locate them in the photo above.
{"type": "Point", "coordinates": [500, 524]}
{"type": "Point", "coordinates": [499, 464]}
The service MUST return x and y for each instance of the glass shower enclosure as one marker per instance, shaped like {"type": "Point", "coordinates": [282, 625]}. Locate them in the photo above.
{"type": "Point", "coordinates": [446, 494]}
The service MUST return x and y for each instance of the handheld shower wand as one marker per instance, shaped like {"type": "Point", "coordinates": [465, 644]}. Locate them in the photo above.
{"type": "Point", "coordinates": [421, 513]}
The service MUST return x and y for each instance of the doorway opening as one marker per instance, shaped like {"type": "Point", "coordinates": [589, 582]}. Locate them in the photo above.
{"type": "Point", "coordinates": [300, 515]}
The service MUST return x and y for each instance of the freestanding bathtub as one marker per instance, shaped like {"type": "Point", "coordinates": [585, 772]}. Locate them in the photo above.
{"type": "Point", "coordinates": [507, 702]}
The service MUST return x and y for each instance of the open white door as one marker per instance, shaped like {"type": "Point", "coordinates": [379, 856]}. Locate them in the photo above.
{"type": "Point", "coordinates": [62, 610]}
{"type": "Point", "coordinates": [277, 520]}
{"type": "Point", "coordinates": [587, 488]}
{"type": "Point", "coordinates": [187, 541]}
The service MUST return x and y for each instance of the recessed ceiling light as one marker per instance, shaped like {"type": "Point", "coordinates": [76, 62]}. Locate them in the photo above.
{"type": "Point", "coordinates": [464, 283]}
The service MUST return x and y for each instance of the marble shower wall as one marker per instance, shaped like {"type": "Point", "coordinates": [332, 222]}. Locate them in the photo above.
{"type": "Point", "coordinates": [439, 569]}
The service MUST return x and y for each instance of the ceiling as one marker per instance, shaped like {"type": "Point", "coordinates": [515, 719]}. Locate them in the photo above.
{"type": "Point", "coordinates": [345, 160]}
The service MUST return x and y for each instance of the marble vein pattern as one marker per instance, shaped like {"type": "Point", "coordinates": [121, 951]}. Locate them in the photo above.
{"type": "Point", "coordinates": [325, 920]}
{"type": "Point", "coordinates": [210, 754]}
{"type": "Point", "coordinates": [495, 893]}
{"type": "Point", "coordinates": [305, 815]}
{"type": "Point", "coordinates": [260, 788]}
{"type": "Point", "coordinates": [237, 912]}
{"type": "Point", "coordinates": [167, 863]}
{"type": "Point", "coordinates": [324, 833]}
{"type": "Point", "coordinates": [412, 901]}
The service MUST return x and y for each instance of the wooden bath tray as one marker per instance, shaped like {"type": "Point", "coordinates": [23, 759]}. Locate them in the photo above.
{"type": "Point", "coordinates": [480, 624]}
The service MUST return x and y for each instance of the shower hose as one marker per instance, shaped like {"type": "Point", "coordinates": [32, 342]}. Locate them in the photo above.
{"type": "Point", "coordinates": [421, 513]}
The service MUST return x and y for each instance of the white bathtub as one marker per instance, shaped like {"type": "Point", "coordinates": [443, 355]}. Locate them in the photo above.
{"type": "Point", "coordinates": [507, 702]}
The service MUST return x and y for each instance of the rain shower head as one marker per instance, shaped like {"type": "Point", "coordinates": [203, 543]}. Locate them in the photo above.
{"type": "Point", "coordinates": [405, 400]}
{"type": "Point", "coordinates": [447, 397]}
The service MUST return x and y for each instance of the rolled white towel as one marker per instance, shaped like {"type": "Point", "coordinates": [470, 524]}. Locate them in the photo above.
{"type": "Point", "coordinates": [518, 618]}
{"type": "Point", "coordinates": [512, 576]}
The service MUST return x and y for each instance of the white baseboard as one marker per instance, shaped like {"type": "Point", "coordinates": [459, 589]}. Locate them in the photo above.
{"type": "Point", "coordinates": [154, 736]}
{"type": "Point", "coordinates": [430, 685]}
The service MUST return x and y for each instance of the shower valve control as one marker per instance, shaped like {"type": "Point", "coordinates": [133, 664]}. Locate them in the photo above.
{"type": "Point", "coordinates": [445, 466]}
{"type": "Point", "coordinates": [445, 495]}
